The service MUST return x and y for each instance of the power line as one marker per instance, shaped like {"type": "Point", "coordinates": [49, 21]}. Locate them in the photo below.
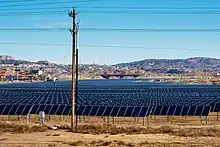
{"type": "Point", "coordinates": [95, 45]}
{"type": "Point", "coordinates": [17, 1]}
{"type": "Point", "coordinates": [122, 8]}
{"type": "Point", "coordinates": [147, 12]}
{"type": "Point", "coordinates": [149, 30]}
{"type": "Point", "coordinates": [48, 3]}
{"type": "Point", "coordinates": [151, 7]}
{"type": "Point", "coordinates": [133, 47]}
{"type": "Point", "coordinates": [23, 13]}
{"type": "Point", "coordinates": [116, 29]}
{"type": "Point", "coordinates": [33, 44]}
{"type": "Point", "coordinates": [44, 8]}
{"type": "Point", "coordinates": [34, 29]}
{"type": "Point", "coordinates": [33, 13]}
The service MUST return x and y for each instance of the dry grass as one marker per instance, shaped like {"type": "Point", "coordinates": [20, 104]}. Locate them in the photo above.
{"type": "Point", "coordinates": [76, 143]}
{"type": "Point", "coordinates": [116, 143]}
{"type": "Point", "coordinates": [106, 133]}
{"type": "Point", "coordinates": [52, 145]}
{"type": "Point", "coordinates": [212, 131]}
{"type": "Point", "coordinates": [195, 132]}
{"type": "Point", "coordinates": [119, 121]}
{"type": "Point", "coordinates": [56, 135]}
{"type": "Point", "coordinates": [21, 128]}
{"type": "Point", "coordinates": [99, 143]}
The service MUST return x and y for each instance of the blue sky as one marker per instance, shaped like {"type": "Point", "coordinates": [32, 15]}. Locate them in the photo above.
{"type": "Point", "coordinates": [158, 45]}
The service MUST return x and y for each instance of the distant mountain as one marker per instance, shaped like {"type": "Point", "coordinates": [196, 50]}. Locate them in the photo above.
{"type": "Point", "coordinates": [176, 65]}
{"type": "Point", "coordinates": [171, 66]}
{"type": "Point", "coordinates": [5, 59]}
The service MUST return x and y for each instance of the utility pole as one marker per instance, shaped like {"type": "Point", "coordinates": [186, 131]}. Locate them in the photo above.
{"type": "Point", "coordinates": [76, 93]}
{"type": "Point", "coordinates": [16, 72]}
{"type": "Point", "coordinates": [77, 71]}
{"type": "Point", "coordinates": [72, 14]}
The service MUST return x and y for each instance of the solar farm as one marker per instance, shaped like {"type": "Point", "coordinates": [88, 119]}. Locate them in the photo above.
{"type": "Point", "coordinates": [110, 113]}
{"type": "Point", "coordinates": [110, 98]}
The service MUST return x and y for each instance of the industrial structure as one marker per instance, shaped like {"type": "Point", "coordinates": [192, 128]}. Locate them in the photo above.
{"type": "Point", "coordinates": [107, 75]}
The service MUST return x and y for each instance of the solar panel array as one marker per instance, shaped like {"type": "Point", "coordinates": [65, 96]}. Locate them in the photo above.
{"type": "Point", "coordinates": [124, 98]}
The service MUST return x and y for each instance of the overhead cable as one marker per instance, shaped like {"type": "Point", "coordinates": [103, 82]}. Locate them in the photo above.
{"type": "Point", "coordinates": [24, 13]}
{"type": "Point", "coordinates": [33, 13]}
{"type": "Point", "coordinates": [148, 7]}
{"type": "Point", "coordinates": [34, 29]}
{"type": "Point", "coordinates": [149, 12]}
{"type": "Point", "coordinates": [118, 8]}
{"type": "Point", "coordinates": [116, 29]}
{"type": "Point", "coordinates": [47, 3]}
{"type": "Point", "coordinates": [94, 45]}
{"type": "Point", "coordinates": [151, 30]}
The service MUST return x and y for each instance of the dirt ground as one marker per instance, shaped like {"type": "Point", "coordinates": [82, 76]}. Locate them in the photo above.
{"type": "Point", "coordinates": [63, 139]}
{"type": "Point", "coordinates": [157, 132]}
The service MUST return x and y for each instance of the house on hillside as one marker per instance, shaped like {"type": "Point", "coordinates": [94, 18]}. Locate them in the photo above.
{"type": "Point", "coordinates": [36, 72]}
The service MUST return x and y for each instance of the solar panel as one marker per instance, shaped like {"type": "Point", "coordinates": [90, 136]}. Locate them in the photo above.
{"type": "Point", "coordinates": [185, 110]}
{"type": "Point", "coordinates": [2, 108]}
{"type": "Point", "coordinates": [101, 111]}
{"type": "Point", "coordinates": [115, 111]}
{"type": "Point", "coordinates": [171, 110]}
{"type": "Point", "coordinates": [143, 112]}
{"type": "Point", "coordinates": [199, 110]}
{"type": "Point", "coordinates": [47, 109]}
{"type": "Point", "coordinates": [136, 112]}
{"type": "Point", "coordinates": [87, 111]}
{"type": "Point", "coordinates": [206, 111]}
{"type": "Point", "coordinates": [164, 110]}
{"type": "Point", "coordinates": [80, 110]}
{"type": "Point", "coordinates": [54, 109]}
{"type": "Point", "coordinates": [12, 110]}
{"type": "Point", "coordinates": [60, 110]}
{"type": "Point", "coordinates": [157, 110]}
{"type": "Point", "coordinates": [94, 111]}
{"type": "Point", "coordinates": [40, 108]}
{"type": "Point", "coordinates": [125, 98]}
{"type": "Point", "coordinates": [122, 111]}
{"type": "Point", "coordinates": [107, 111]}
{"type": "Point", "coordinates": [192, 110]}
{"type": "Point", "coordinates": [216, 107]}
{"type": "Point", "coordinates": [7, 110]}
{"type": "Point", "coordinates": [178, 110]}
{"type": "Point", "coordinates": [34, 109]}
{"type": "Point", "coordinates": [20, 109]}
{"type": "Point", "coordinates": [129, 111]}
{"type": "Point", "coordinates": [67, 110]}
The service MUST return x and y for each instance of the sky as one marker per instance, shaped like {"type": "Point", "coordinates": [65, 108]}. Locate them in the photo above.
{"type": "Point", "coordinates": [129, 46]}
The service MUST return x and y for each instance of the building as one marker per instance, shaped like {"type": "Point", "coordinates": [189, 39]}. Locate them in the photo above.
{"type": "Point", "coordinates": [36, 72]}
{"type": "Point", "coordinates": [6, 75]}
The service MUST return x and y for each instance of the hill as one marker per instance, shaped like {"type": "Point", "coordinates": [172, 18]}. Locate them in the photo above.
{"type": "Point", "coordinates": [172, 66]}
{"type": "Point", "coordinates": [5, 59]}
{"type": "Point", "coordinates": [176, 65]}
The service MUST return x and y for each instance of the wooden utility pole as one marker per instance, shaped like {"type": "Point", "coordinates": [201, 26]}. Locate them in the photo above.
{"type": "Point", "coordinates": [73, 31]}
{"type": "Point", "coordinates": [77, 73]}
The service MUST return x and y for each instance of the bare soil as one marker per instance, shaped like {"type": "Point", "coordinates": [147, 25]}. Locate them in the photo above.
{"type": "Point", "coordinates": [95, 131]}
{"type": "Point", "coordinates": [62, 138]}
